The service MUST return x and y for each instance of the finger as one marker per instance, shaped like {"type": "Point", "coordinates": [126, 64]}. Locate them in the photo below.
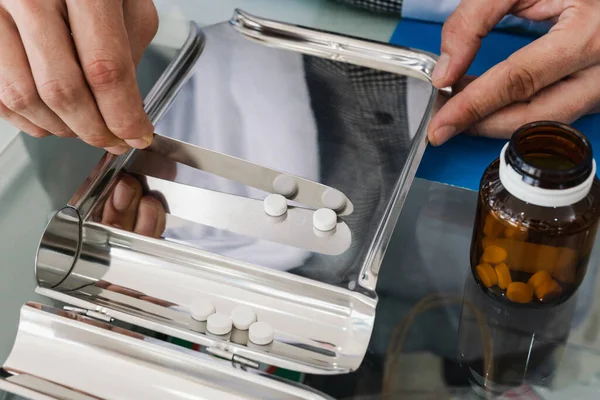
{"type": "Point", "coordinates": [518, 78]}
{"type": "Point", "coordinates": [565, 101]}
{"type": "Point", "coordinates": [461, 37]}
{"type": "Point", "coordinates": [102, 284]}
{"type": "Point", "coordinates": [151, 218]}
{"type": "Point", "coordinates": [120, 210]}
{"type": "Point", "coordinates": [103, 48]}
{"type": "Point", "coordinates": [22, 123]}
{"type": "Point", "coordinates": [141, 22]}
{"type": "Point", "coordinates": [17, 87]}
{"type": "Point", "coordinates": [540, 10]}
{"type": "Point", "coordinates": [56, 71]}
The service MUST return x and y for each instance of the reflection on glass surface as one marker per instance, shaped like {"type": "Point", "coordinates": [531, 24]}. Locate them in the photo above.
{"type": "Point", "coordinates": [345, 126]}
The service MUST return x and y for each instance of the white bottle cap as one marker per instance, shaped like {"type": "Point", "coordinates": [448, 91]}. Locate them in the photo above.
{"type": "Point", "coordinates": [285, 185]}
{"type": "Point", "coordinates": [261, 333]}
{"type": "Point", "coordinates": [334, 199]}
{"type": "Point", "coordinates": [514, 184]}
{"type": "Point", "coordinates": [324, 219]}
{"type": "Point", "coordinates": [243, 317]}
{"type": "Point", "coordinates": [201, 309]}
{"type": "Point", "coordinates": [275, 205]}
{"type": "Point", "coordinates": [219, 324]}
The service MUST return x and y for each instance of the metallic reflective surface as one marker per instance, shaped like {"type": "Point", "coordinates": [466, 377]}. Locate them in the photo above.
{"type": "Point", "coordinates": [157, 234]}
{"type": "Point", "coordinates": [59, 248]}
{"type": "Point", "coordinates": [63, 355]}
{"type": "Point", "coordinates": [308, 193]}
{"type": "Point", "coordinates": [151, 283]}
{"type": "Point", "coordinates": [93, 190]}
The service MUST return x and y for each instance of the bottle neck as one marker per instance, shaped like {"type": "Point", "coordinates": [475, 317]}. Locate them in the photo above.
{"type": "Point", "coordinates": [513, 182]}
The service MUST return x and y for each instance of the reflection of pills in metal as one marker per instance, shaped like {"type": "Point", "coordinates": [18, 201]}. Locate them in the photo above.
{"type": "Point", "coordinates": [275, 205]}
{"type": "Point", "coordinates": [261, 333]}
{"type": "Point", "coordinates": [201, 309]}
{"type": "Point", "coordinates": [285, 185]}
{"type": "Point", "coordinates": [243, 317]}
{"type": "Point", "coordinates": [198, 326]}
{"type": "Point", "coordinates": [334, 199]}
{"type": "Point", "coordinates": [239, 337]}
{"type": "Point", "coordinates": [324, 219]}
{"type": "Point", "coordinates": [219, 324]}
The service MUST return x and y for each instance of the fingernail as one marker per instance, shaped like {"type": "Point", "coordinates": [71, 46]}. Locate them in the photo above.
{"type": "Point", "coordinates": [123, 196]}
{"type": "Point", "coordinates": [441, 69]}
{"type": "Point", "coordinates": [140, 143]}
{"type": "Point", "coordinates": [443, 134]}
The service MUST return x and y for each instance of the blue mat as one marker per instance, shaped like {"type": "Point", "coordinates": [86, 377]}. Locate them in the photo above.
{"type": "Point", "coordinates": [462, 160]}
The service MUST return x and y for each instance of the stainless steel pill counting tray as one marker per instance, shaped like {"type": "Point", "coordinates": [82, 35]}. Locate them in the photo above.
{"type": "Point", "coordinates": [242, 104]}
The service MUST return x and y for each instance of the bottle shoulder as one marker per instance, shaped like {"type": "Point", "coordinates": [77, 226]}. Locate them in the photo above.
{"type": "Point", "coordinates": [494, 197]}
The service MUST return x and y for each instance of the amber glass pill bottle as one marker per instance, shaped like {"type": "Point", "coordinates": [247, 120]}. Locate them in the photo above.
{"type": "Point", "coordinates": [537, 214]}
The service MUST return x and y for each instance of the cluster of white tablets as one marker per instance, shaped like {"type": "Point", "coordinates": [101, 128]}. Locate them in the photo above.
{"type": "Point", "coordinates": [242, 318]}
{"type": "Point", "coordinates": [324, 219]}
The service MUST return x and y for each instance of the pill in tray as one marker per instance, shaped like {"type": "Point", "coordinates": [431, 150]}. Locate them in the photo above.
{"type": "Point", "coordinates": [324, 219]}
{"type": "Point", "coordinates": [275, 205]}
{"type": "Point", "coordinates": [201, 309]}
{"type": "Point", "coordinates": [261, 333]}
{"type": "Point", "coordinates": [285, 185]}
{"type": "Point", "coordinates": [219, 324]}
{"type": "Point", "coordinates": [243, 317]}
{"type": "Point", "coordinates": [333, 199]}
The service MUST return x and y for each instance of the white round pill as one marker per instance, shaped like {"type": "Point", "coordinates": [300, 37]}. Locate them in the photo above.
{"type": "Point", "coordinates": [261, 333]}
{"type": "Point", "coordinates": [285, 185]}
{"type": "Point", "coordinates": [219, 324]}
{"type": "Point", "coordinates": [324, 219]}
{"type": "Point", "coordinates": [243, 317]}
{"type": "Point", "coordinates": [201, 309]}
{"type": "Point", "coordinates": [275, 205]}
{"type": "Point", "coordinates": [334, 199]}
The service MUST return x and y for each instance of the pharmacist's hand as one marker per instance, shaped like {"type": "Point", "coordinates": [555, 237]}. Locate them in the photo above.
{"type": "Point", "coordinates": [129, 209]}
{"type": "Point", "coordinates": [67, 68]}
{"type": "Point", "coordinates": [554, 78]}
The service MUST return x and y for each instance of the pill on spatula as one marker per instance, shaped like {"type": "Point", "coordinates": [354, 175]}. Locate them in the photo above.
{"type": "Point", "coordinates": [285, 185]}
{"type": "Point", "coordinates": [333, 199]}
{"type": "Point", "coordinates": [243, 317]}
{"type": "Point", "coordinates": [324, 219]}
{"type": "Point", "coordinates": [275, 205]}
{"type": "Point", "coordinates": [201, 309]}
{"type": "Point", "coordinates": [219, 324]}
{"type": "Point", "coordinates": [261, 333]}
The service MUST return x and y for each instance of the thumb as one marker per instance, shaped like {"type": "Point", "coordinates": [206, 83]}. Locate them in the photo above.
{"type": "Point", "coordinates": [462, 34]}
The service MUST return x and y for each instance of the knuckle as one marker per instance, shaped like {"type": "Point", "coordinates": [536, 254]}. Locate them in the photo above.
{"type": "Point", "coordinates": [591, 45]}
{"type": "Point", "coordinates": [473, 109]}
{"type": "Point", "coordinates": [18, 97]}
{"type": "Point", "coordinates": [474, 113]}
{"type": "Point", "coordinates": [105, 71]}
{"type": "Point", "coordinates": [127, 128]}
{"type": "Point", "coordinates": [456, 25]}
{"type": "Point", "coordinates": [31, 6]}
{"type": "Point", "coordinates": [522, 84]}
{"type": "Point", "coordinates": [64, 132]}
{"type": "Point", "coordinates": [59, 94]}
